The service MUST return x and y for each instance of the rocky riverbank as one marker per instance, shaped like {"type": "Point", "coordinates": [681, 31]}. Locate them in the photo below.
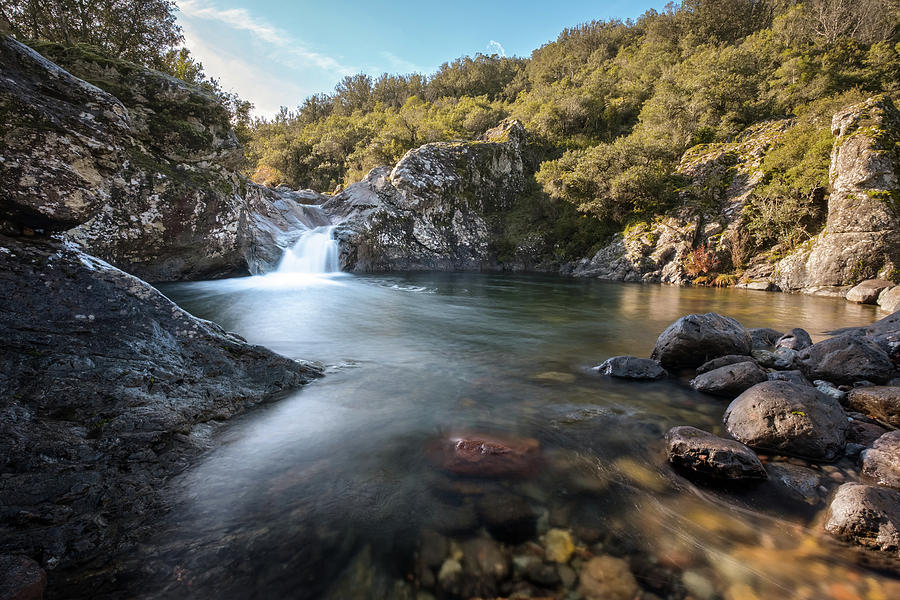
{"type": "Point", "coordinates": [791, 398]}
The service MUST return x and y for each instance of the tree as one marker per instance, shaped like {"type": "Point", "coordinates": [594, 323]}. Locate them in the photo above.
{"type": "Point", "coordinates": [141, 31]}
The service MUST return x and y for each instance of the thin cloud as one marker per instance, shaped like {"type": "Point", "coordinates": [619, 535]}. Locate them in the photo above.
{"type": "Point", "coordinates": [496, 48]}
{"type": "Point", "coordinates": [400, 65]}
{"type": "Point", "coordinates": [265, 33]}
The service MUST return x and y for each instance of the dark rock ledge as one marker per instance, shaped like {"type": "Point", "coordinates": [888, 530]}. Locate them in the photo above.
{"type": "Point", "coordinates": [107, 389]}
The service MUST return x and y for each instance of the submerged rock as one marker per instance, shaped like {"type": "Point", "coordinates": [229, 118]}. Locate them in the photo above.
{"type": "Point", "coordinates": [845, 359]}
{"type": "Point", "coordinates": [558, 546]}
{"type": "Point", "coordinates": [631, 367]}
{"type": "Point", "coordinates": [694, 339]}
{"type": "Point", "coordinates": [796, 482]}
{"type": "Point", "coordinates": [781, 417]}
{"type": "Point", "coordinates": [881, 462]}
{"type": "Point", "coordinates": [879, 402]}
{"type": "Point", "coordinates": [507, 517]}
{"type": "Point", "coordinates": [486, 456]}
{"type": "Point", "coordinates": [607, 578]}
{"type": "Point", "coordinates": [108, 388]}
{"type": "Point", "coordinates": [867, 515]}
{"type": "Point", "coordinates": [710, 456]}
{"type": "Point", "coordinates": [730, 380]}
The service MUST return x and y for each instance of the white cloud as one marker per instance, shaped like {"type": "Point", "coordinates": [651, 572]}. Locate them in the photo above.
{"type": "Point", "coordinates": [290, 51]}
{"type": "Point", "coordinates": [495, 47]}
{"type": "Point", "coordinates": [237, 74]}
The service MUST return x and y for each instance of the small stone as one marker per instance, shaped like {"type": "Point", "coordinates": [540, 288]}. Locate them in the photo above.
{"type": "Point", "coordinates": [879, 402]}
{"type": "Point", "coordinates": [722, 361]}
{"type": "Point", "coordinates": [785, 358]}
{"type": "Point", "coordinates": [567, 575]}
{"type": "Point", "coordinates": [698, 585]}
{"type": "Point", "coordinates": [607, 578]}
{"type": "Point", "coordinates": [829, 390]}
{"type": "Point", "coordinates": [795, 377]}
{"type": "Point", "coordinates": [450, 571]}
{"type": "Point", "coordinates": [730, 380]}
{"type": "Point", "coordinates": [868, 515]}
{"type": "Point", "coordinates": [558, 545]}
{"type": "Point", "coordinates": [631, 367]}
{"type": "Point", "coordinates": [881, 462]}
{"type": "Point", "coordinates": [710, 456]}
{"type": "Point", "coordinates": [795, 339]}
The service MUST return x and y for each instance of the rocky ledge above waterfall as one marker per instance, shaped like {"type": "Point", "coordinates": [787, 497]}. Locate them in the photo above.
{"type": "Point", "coordinates": [437, 209]}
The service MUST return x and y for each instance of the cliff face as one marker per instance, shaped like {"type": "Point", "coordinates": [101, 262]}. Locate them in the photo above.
{"type": "Point", "coordinates": [437, 209]}
{"type": "Point", "coordinates": [139, 164]}
{"type": "Point", "coordinates": [861, 239]}
{"type": "Point", "coordinates": [721, 177]}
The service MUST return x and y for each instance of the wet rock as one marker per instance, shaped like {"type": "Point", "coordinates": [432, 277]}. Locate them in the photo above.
{"type": "Point", "coordinates": [845, 359]}
{"type": "Point", "coordinates": [785, 358]}
{"type": "Point", "coordinates": [796, 482]}
{"type": "Point", "coordinates": [879, 402]}
{"type": "Point", "coordinates": [21, 578]}
{"type": "Point", "coordinates": [631, 367]}
{"type": "Point", "coordinates": [710, 456]}
{"type": "Point", "coordinates": [607, 578]}
{"type": "Point", "coordinates": [868, 291]}
{"type": "Point", "coordinates": [795, 339]}
{"type": "Point", "coordinates": [829, 390]}
{"type": "Point", "coordinates": [507, 517]}
{"type": "Point", "coordinates": [881, 462]}
{"type": "Point", "coordinates": [867, 515]}
{"type": "Point", "coordinates": [781, 417]}
{"type": "Point", "coordinates": [889, 299]}
{"type": "Point", "coordinates": [730, 380]}
{"type": "Point", "coordinates": [764, 358]}
{"type": "Point", "coordinates": [486, 456]}
{"type": "Point", "coordinates": [109, 389]}
{"type": "Point", "coordinates": [722, 361]}
{"type": "Point", "coordinates": [795, 377]}
{"type": "Point", "coordinates": [695, 339]}
{"type": "Point", "coordinates": [864, 433]}
{"type": "Point", "coordinates": [558, 546]}
{"type": "Point", "coordinates": [763, 337]}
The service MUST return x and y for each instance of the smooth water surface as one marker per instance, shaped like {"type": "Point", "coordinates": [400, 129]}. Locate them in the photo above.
{"type": "Point", "coordinates": [326, 493]}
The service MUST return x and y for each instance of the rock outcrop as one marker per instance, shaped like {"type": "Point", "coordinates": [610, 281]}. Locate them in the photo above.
{"type": "Point", "coordinates": [861, 239]}
{"type": "Point", "coordinates": [437, 209]}
{"type": "Point", "coordinates": [106, 389]}
{"type": "Point", "coordinates": [139, 164]}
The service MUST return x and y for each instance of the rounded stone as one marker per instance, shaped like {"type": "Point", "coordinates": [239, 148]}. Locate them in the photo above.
{"type": "Point", "coordinates": [710, 456]}
{"type": "Point", "coordinates": [694, 339]}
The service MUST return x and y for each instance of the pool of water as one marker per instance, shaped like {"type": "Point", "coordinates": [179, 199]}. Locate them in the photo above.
{"type": "Point", "coordinates": [330, 492]}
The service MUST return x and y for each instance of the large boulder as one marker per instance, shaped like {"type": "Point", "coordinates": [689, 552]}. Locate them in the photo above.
{"type": "Point", "coordinates": [780, 417]}
{"type": "Point", "coordinates": [868, 291]}
{"type": "Point", "coordinates": [107, 389]}
{"type": "Point", "coordinates": [846, 359]}
{"type": "Point", "coordinates": [694, 339]}
{"type": "Point", "coordinates": [879, 402]}
{"type": "Point", "coordinates": [861, 238]}
{"type": "Point", "coordinates": [868, 515]}
{"type": "Point", "coordinates": [439, 208]}
{"type": "Point", "coordinates": [63, 142]}
{"type": "Point", "coordinates": [881, 462]}
{"type": "Point", "coordinates": [730, 380]}
{"type": "Point", "coordinates": [710, 456]}
{"type": "Point", "coordinates": [631, 367]}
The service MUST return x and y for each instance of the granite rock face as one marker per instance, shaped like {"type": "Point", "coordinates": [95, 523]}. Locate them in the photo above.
{"type": "Point", "coordinates": [861, 239]}
{"type": "Point", "coordinates": [436, 209]}
{"type": "Point", "coordinates": [106, 389]}
{"type": "Point", "coordinates": [139, 164]}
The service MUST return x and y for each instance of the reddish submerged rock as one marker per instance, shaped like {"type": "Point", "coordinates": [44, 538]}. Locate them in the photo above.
{"type": "Point", "coordinates": [476, 455]}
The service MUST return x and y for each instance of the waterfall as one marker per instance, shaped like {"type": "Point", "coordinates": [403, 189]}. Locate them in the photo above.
{"type": "Point", "coordinates": [315, 252]}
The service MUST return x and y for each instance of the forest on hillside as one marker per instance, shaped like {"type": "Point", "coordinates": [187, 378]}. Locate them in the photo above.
{"type": "Point", "coordinates": [610, 106]}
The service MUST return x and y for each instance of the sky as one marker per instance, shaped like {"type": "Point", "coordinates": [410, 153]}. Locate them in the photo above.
{"type": "Point", "coordinates": [276, 53]}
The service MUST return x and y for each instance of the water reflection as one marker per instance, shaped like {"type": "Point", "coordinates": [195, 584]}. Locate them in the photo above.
{"type": "Point", "coordinates": [329, 491]}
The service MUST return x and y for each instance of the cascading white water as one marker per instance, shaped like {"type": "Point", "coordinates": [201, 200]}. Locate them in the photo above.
{"type": "Point", "coordinates": [315, 252]}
